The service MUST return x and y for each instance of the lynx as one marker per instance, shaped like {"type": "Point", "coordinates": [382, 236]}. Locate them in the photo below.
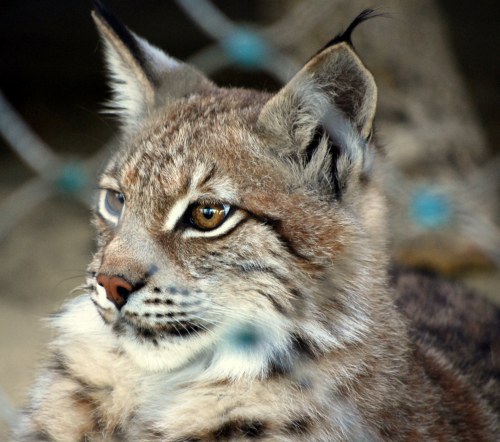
{"type": "Point", "coordinates": [241, 288]}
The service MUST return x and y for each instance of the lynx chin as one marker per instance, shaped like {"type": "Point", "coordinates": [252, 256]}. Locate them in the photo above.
{"type": "Point", "coordinates": [241, 287]}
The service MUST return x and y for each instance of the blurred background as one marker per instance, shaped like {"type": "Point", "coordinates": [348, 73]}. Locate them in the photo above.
{"type": "Point", "coordinates": [436, 64]}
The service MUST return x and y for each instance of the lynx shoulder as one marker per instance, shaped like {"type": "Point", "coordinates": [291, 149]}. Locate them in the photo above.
{"type": "Point", "coordinates": [241, 287]}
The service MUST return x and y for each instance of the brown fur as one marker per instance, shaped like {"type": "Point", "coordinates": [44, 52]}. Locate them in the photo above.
{"type": "Point", "coordinates": [280, 324]}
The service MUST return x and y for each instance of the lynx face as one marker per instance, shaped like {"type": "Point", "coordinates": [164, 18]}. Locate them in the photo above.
{"type": "Point", "coordinates": [184, 229]}
{"type": "Point", "coordinates": [197, 258]}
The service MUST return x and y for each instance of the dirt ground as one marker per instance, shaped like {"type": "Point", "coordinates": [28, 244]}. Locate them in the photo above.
{"type": "Point", "coordinates": [42, 260]}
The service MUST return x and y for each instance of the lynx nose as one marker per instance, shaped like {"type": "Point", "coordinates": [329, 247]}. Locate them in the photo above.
{"type": "Point", "coordinates": [117, 288]}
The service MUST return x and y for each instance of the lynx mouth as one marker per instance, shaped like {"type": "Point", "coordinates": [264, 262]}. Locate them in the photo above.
{"type": "Point", "coordinates": [180, 330]}
{"type": "Point", "coordinates": [158, 331]}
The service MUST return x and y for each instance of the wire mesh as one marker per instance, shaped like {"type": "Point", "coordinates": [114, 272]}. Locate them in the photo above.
{"type": "Point", "coordinates": [429, 206]}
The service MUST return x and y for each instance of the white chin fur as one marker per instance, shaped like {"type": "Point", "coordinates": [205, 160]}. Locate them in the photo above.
{"type": "Point", "coordinates": [235, 350]}
{"type": "Point", "coordinates": [166, 356]}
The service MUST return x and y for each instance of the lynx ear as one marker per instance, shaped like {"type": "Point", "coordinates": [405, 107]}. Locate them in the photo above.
{"type": "Point", "coordinates": [324, 115]}
{"type": "Point", "coordinates": [143, 77]}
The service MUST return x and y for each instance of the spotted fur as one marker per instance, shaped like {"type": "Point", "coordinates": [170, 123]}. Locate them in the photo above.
{"type": "Point", "coordinates": [279, 324]}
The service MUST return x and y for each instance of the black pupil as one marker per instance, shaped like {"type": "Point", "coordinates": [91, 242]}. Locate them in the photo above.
{"type": "Point", "coordinates": [208, 212]}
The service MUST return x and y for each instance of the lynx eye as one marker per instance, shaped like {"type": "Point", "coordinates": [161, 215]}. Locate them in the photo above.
{"type": "Point", "coordinates": [208, 216]}
{"type": "Point", "coordinates": [111, 204]}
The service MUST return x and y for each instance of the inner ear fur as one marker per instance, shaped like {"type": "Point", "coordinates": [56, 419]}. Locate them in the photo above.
{"type": "Point", "coordinates": [348, 84]}
{"type": "Point", "coordinates": [333, 80]}
{"type": "Point", "coordinates": [324, 117]}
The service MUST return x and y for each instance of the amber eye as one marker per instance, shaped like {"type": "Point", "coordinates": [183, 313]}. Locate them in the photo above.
{"type": "Point", "coordinates": [208, 216]}
{"type": "Point", "coordinates": [113, 202]}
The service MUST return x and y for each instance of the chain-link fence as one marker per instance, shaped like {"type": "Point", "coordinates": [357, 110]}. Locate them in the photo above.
{"type": "Point", "coordinates": [424, 207]}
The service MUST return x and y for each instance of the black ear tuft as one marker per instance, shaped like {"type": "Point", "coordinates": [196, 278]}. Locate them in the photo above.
{"type": "Point", "coordinates": [120, 30]}
{"type": "Point", "coordinates": [98, 4]}
{"type": "Point", "coordinates": [345, 37]}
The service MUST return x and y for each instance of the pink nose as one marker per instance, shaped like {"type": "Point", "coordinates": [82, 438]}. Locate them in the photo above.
{"type": "Point", "coordinates": [117, 288]}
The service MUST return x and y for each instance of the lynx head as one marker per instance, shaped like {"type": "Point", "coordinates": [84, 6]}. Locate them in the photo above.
{"type": "Point", "coordinates": [236, 229]}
